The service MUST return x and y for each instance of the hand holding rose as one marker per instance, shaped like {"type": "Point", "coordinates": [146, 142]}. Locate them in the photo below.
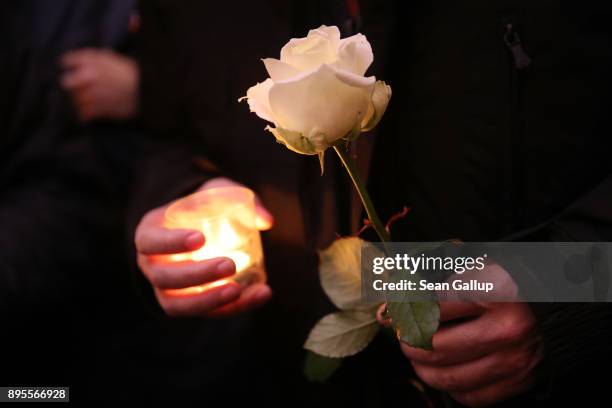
{"type": "Point", "coordinates": [485, 359]}
{"type": "Point", "coordinates": [154, 241]}
{"type": "Point", "coordinates": [484, 352]}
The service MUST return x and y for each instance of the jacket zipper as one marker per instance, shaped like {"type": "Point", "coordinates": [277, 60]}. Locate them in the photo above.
{"type": "Point", "coordinates": [515, 45]}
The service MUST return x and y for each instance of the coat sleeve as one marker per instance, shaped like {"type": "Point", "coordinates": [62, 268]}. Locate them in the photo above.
{"type": "Point", "coordinates": [170, 171]}
{"type": "Point", "coordinates": [576, 335]}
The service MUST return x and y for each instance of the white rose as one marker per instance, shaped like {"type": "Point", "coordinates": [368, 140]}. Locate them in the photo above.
{"type": "Point", "coordinates": [317, 93]}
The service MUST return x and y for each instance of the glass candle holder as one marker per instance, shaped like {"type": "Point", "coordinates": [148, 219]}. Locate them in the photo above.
{"type": "Point", "coordinates": [226, 217]}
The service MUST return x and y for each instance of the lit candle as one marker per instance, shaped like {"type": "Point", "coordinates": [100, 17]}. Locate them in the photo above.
{"type": "Point", "coordinates": [226, 217]}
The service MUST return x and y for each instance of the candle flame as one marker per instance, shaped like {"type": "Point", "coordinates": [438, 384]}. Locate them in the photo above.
{"type": "Point", "coordinates": [229, 230]}
{"type": "Point", "coordinates": [221, 240]}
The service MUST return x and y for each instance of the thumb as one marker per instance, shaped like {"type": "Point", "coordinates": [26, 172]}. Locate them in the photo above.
{"type": "Point", "coordinates": [263, 219]}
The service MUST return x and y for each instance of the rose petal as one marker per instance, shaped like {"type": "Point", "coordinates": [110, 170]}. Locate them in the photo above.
{"type": "Point", "coordinates": [325, 101]}
{"type": "Point", "coordinates": [379, 102]}
{"type": "Point", "coordinates": [354, 80]}
{"type": "Point", "coordinates": [258, 100]}
{"type": "Point", "coordinates": [319, 47]}
{"type": "Point", "coordinates": [278, 70]}
{"type": "Point", "coordinates": [355, 54]}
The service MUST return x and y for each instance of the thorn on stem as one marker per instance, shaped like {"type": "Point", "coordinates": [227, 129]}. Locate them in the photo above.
{"type": "Point", "coordinates": [396, 217]}
{"type": "Point", "coordinates": [366, 224]}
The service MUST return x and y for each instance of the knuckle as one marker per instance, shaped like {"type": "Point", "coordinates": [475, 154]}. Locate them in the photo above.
{"type": "Point", "coordinates": [447, 380]}
{"type": "Point", "coordinates": [138, 240]}
{"type": "Point", "coordinates": [434, 378]}
{"type": "Point", "coordinates": [422, 373]}
{"type": "Point", "coordinates": [204, 270]}
{"type": "Point", "coordinates": [428, 357]}
{"type": "Point", "coordinates": [168, 241]}
{"type": "Point", "coordinates": [139, 235]}
{"type": "Point", "coordinates": [487, 339]}
{"type": "Point", "coordinates": [159, 277]}
{"type": "Point", "coordinates": [405, 349]}
{"type": "Point", "coordinates": [94, 73]}
{"type": "Point", "coordinates": [434, 357]}
{"type": "Point", "coordinates": [517, 328]}
{"type": "Point", "coordinates": [514, 326]}
{"type": "Point", "coordinates": [410, 352]}
{"type": "Point", "coordinates": [507, 330]}
{"type": "Point", "coordinates": [172, 309]}
{"type": "Point", "coordinates": [204, 305]}
{"type": "Point", "coordinates": [142, 263]}
{"type": "Point", "coordinates": [147, 218]}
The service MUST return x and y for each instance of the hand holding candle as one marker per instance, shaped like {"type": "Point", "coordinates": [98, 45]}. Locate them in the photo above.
{"type": "Point", "coordinates": [190, 279]}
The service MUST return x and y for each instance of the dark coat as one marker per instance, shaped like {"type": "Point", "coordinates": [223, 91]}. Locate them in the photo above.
{"type": "Point", "coordinates": [59, 204]}
{"type": "Point", "coordinates": [484, 148]}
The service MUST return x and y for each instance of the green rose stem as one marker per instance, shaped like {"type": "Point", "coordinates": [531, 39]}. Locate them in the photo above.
{"type": "Point", "coordinates": [413, 322]}
{"type": "Point", "coordinates": [351, 168]}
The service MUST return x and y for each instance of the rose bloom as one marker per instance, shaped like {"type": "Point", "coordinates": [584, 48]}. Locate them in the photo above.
{"type": "Point", "coordinates": [318, 93]}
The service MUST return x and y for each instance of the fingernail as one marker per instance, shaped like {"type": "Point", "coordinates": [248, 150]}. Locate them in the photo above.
{"type": "Point", "coordinates": [226, 267]}
{"type": "Point", "coordinates": [194, 240]}
{"type": "Point", "coordinates": [229, 292]}
{"type": "Point", "coordinates": [263, 223]}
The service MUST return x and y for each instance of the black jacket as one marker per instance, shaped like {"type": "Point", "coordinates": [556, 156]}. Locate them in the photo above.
{"type": "Point", "coordinates": [485, 145]}
{"type": "Point", "coordinates": [59, 204]}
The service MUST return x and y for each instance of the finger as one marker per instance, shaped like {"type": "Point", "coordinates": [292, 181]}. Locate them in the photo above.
{"type": "Point", "coordinates": [159, 240]}
{"type": "Point", "coordinates": [219, 182]}
{"type": "Point", "coordinates": [459, 310]}
{"type": "Point", "coordinates": [251, 297]}
{"type": "Point", "coordinates": [152, 238]}
{"type": "Point", "coordinates": [263, 219]}
{"type": "Point", "coordinates": [72, 81]}
{"type": "Point", "coordinates": [455, 344]}
{"type": "Point", "coordinates": [475, 374]}
{"type": "Point", "coordinates": [503, 325]}
{"type": "Point", "coordinates": [199, 304]}
{"type": "Point", "coordinates": [73, 59]}
{"type": "Point", "coordinates": [178, 275]}
{"type": "Point", "coordinates": [504, 287]}
{"type": "Point", "coordinates": [78, 78]}
{"type": "Point", "coordinates": [495, 393]}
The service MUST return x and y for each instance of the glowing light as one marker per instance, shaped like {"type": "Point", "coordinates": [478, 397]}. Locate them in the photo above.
{"type": "Point", "coordinates": [226, 217]}
{"type": "Point", "coordinates": [221, 240]}
{"type": "Point", "coordinates": [196, 290]}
